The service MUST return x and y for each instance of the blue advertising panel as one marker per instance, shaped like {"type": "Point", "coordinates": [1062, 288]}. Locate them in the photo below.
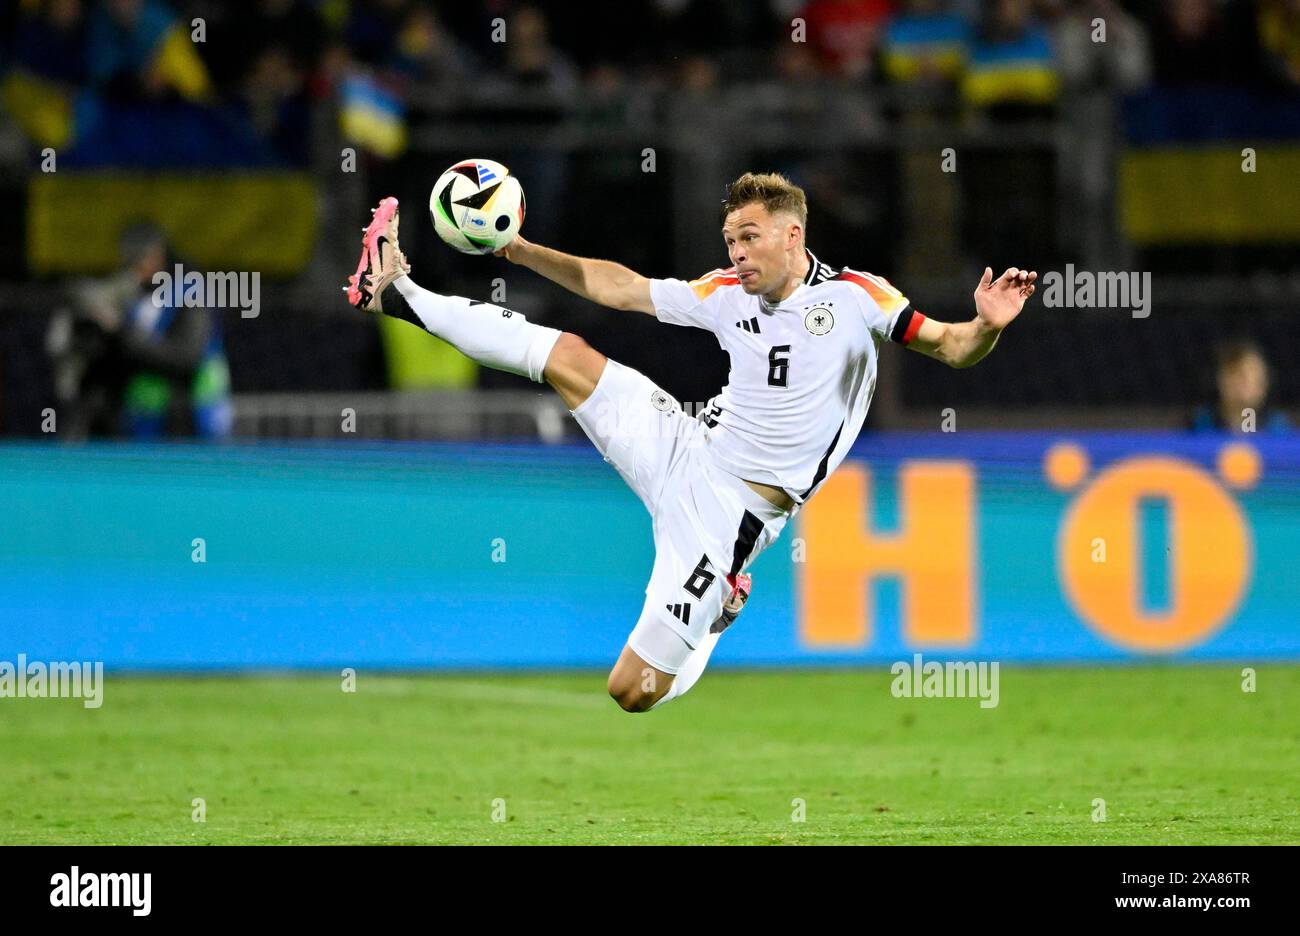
{"type": "Point", "coordinates": [1014, 547]}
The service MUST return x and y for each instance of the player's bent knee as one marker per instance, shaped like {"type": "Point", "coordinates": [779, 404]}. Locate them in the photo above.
{"type": "Point", "coordinates": [634, 701]}
{"type": "Point", "coordinates": [567, 355]}
{"type": "Point", "coordinates": [573, 369]}
{"type": "Point", "coordinates": [628, 693]}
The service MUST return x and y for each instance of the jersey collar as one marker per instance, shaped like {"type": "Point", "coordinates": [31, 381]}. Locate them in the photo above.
{"type": "Point", "coordinates": [813, 266]}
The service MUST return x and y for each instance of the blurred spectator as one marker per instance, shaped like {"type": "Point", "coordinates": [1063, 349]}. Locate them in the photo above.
{"type": "Point", "coordinates": [846, 34]}
{"type": "Point", "coordinates": [294, 25]}
{"type": "Point", "coordinates": [141, 49]}
{"type": "Point", "coordinates": [237, 40]}
{"type": "Point", "coordinates": [532, 61]}
{"type": "Point", "coordinates": [1199, 42]}
{"type": "Point", "coordinates": [698, 75]}
{"type": "Point", "coordinates": [274, 102]}
{"type": "Point", "coordinates": [1122, 62]}
{"type": "Point", "coordinates": [372, 30]}
{"type": "Point", "coordinates": [539, 86]}
{"type": "Point", "coordinates": [733, 34]}
{"type": "Point", "coordinates": [372, 98]}
{"type": "Point", "coordinates": [623, 35]}
{"type": "Point", "coordinates": [372, 114]}
{"type": "Point", "coordinates": [396, 49]}
{"type": "Point", "coordinates": [1012, 66]}
{"type": "Point", "coordinates": [48, 64]}
{"type": "Point", "coordinates": [1279, 33]}
{"type": "Point", "coordinates": [1242, 383]}
{"type": "Point", "coordinates": [122, 83]}
{"type": "Point", "coordinates": [796, 64]}
{"type": "Point", "coordinates": [128, 365]}
{"type": "Point", "coordinates": [432, 55]}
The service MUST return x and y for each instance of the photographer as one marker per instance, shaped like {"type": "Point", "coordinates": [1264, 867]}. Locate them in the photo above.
{"type": "Point", "coordinates": [126, 365]}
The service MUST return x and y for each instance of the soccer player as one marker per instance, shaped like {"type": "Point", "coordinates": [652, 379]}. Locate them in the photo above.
{"type": "Point", "coordinates": [803, 340]}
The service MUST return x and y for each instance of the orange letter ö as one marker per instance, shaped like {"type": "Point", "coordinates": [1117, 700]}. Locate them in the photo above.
{"type": "Point", "coordinates": [1211, 552]}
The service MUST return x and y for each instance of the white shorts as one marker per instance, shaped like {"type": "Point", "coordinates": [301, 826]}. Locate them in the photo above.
{"type": "Point", "coordinates": [708, 525]}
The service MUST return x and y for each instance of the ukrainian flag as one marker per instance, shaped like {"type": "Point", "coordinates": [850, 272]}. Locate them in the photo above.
{"type": "Point", "coordinates": [1020, 71]}
{"type": "Point", "coordinates": [372, 116]}
{"type": "Point", "coordinates": [914, 44]}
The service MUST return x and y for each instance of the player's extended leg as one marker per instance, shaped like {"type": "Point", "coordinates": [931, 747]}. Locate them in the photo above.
{"type": "Point", "coordinates": [504, 339]}
{"type": "Point", "coordinates": [499, 338]}
{"type": "Point", "coordinates": [494, 336]}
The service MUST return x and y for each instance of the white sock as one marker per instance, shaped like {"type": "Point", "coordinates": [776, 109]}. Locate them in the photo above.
{"type": "Point", "coordinates": [491, 335]}
{"type": "Point", "coordinates": [691, 670]}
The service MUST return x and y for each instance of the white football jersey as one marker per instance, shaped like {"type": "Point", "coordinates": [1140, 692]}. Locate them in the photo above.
{"type": "Point", "coordinates": [802, 371]}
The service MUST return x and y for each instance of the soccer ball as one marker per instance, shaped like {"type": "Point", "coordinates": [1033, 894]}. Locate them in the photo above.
{"type": "Point", "coordinates": [477, 206]}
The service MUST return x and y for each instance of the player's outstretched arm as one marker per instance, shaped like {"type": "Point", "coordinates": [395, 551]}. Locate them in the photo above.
{"type": "Point", "coordinates": [602, 281]}
{"type": "Point", "coordinates": [997, 303]}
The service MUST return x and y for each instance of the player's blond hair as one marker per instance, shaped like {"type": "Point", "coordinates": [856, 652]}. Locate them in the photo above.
{"type": "Point", "coordinates": [772, 190]}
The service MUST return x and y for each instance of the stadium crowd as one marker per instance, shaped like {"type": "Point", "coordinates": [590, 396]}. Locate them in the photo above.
{"type": "Point", "coordinates": [236, 83]}
{"type": "Point", "coordinates": [210, 87]}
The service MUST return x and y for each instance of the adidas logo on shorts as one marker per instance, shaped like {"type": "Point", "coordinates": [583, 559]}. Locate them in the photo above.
{"type": "Point", "coordinates": [680, 611]}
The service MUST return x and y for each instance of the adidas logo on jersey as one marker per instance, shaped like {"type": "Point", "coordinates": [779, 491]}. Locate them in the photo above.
{"type": "Point", "coordinates": [680, 611]}
{"type": "Point", "coordinates": [750, 326]}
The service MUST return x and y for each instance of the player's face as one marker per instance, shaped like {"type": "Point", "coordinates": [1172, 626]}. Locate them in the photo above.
{"type": "Point", "coordinates": [761, 246]}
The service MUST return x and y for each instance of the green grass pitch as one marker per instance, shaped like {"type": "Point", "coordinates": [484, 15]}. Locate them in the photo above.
{"type": "Point", "coordinates": [1180, 754]}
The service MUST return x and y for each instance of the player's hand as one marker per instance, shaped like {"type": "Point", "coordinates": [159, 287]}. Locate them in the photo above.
{"type": "Point", "coordinates": [513, 250]}
{"type": "Point", "coordinates": [998, 302]}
